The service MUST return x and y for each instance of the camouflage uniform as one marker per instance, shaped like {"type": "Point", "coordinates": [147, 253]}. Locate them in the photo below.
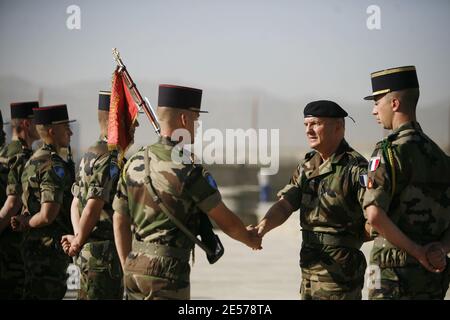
{"type": "Point", "coordinates": [3, 168]}
{"type": "Point", "coordinates": [158, 266]}
{"type": "Point", "coordinates": [46, 178]}
{"type": "Point", "coordinates": [11, 264]}
{"type": "Point", "coordinates": [409, 179]}
{"type": "Point", "coordinates": [329, 197]}
{"type": "Point", "coordinates": [101, 274]}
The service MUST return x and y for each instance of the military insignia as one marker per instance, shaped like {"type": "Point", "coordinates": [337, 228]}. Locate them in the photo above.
{"type": "Point", "coordinates": [211, 181]}
{"type": "Point", "coordinates": [59, 171]}
{"type": "Point", "coordinates": [374, 163]}
{"type": "Point", "coordinates": [113, 170]}
{"type": "Point", "coordinates": [363, 180]}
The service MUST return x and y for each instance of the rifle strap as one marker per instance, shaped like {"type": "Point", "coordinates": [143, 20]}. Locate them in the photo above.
{"type": "Point", "coordinates": [156, 198]}
{"type": "Point", "coordinates": [387, 150]}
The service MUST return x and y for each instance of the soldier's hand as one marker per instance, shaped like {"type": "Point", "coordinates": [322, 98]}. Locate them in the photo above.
{"type": "Point", "coordinates": [19, 223]}
{"type": "Point", "coordinates": [436, 256]}
{"type": "Point", "coordinates": [255, 242]}
{"type": "Point", "coordinates": [261, 228]}
{"type": "Point", "coordinates": [75, 248]}
{"type": "Point", "coordinates": [66, 242]}
{"type": "Point", "coordinates": [421, 256]}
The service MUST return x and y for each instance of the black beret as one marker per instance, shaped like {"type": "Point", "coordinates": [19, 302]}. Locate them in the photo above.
{"type": "Point", "coordinates": [23, 110]}
{"type": "Point", "coordinates": [104, 99]}
{"type": "Point", "coordinates": [180, 97]}
{"type": "Point", "coordinates": [324, 108]}
{"type": "Point", "coordinates": [52, 115]}
{"type": "Point", "coordinates": [393, 79]}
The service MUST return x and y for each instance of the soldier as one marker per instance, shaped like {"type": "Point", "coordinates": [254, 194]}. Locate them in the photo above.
{"type": "Point", "coordinates": [328, 188]}
{"type": "Point", "coordinates": [154, 184]}
{"type": "Point", "coordinates": [408, 195]}
{"type": "Point", "coordinates": [3, 162]}
{"type": "Point", "coordinates": [46, 198]}
{"type": "Point", "coordinates": [19, 151]}
{"type": "Point", "coordinates": [94, 190]}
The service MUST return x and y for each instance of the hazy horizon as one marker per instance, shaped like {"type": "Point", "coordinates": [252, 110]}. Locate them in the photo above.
{"type": "Point", "coordinates": [281, 53]}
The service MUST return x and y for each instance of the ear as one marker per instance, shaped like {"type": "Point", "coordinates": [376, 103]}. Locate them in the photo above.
{"type": "Point", "coordinates": [51, 132]}
{"type": "Point", "coordinates": [184, 120]}
{"type": "Point", "coordinates": [27, 124]}
{"type": "Point", "coordinates": [395, 104]}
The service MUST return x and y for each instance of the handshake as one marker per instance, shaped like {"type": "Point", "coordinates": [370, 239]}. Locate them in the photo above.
{"type": "Point", "coordinates": [255, 235]}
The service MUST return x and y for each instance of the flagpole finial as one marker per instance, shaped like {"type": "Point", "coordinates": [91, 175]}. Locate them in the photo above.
{"type": "Point", "coordinates": [116, 55]}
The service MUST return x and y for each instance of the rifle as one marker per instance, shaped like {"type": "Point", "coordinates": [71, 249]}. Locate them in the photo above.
{"type": "Point", "coordinates": [142, 105]}
{"type": "Point", "coordinates": [210, 242]}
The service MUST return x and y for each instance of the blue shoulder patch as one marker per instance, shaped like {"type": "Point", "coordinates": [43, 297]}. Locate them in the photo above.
{"type": "Point", "coordinates": [211, 181]}
{"type": "Point", "coordinates": [113, 170]}
{"type": "Point", "coordinates": [59, 171]}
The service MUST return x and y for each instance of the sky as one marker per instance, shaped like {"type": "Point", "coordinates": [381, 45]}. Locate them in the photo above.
{"type": "Point", "coordinates": [282, 53]}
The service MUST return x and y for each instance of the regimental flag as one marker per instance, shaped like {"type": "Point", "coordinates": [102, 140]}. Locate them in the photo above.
{"type": "Point", "coordinates": [123, 114]}
{"type": "Point", "coordinates": [374, 163]}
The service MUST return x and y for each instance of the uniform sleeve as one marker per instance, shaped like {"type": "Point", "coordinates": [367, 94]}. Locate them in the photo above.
{"type": "Point", "coordinates": [359, 180]}
{"type": "Point", "coordinates": [16, 165]}
{"type": "Point", "coordinates": [202, 188]}
{"type": "Point", "coordinates": [292, 191]}
{"type": "Point", "coordinates": [52, 183]}
{"type": "Point", "coordinates": [102, 182]}
{"type": "Point", "coordinates": [120, 202]}
{"type": "Point", "coordinates": [379, 184]}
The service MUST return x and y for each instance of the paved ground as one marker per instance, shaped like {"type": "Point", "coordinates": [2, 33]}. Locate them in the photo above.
{"type": "Point", "coordinates": [272, 273]}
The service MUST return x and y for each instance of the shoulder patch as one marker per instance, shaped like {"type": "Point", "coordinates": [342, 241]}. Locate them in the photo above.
{"type": "Point", "coordinates": [211, 180]}
{"type": "Point", "coordinates": [113, 169]}
{"type": "Point", "coordinates": [59, 171]}
{"type": "Point", "coordinates": [374, 163]}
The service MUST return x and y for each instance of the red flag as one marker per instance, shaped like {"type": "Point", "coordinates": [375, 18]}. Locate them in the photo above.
{"type": "Point", "coordinates": [123, 113]}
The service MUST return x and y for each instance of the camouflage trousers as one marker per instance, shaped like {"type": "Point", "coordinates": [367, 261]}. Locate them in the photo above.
{"type": "Point", "coordinates": [100, 270]}
{"type": "Point", "coordinates": [152, 277]}
{"type": "Point", "coordinates": [12, 272]}
{"type": "Point", "coordinates": [409, 282]}
{"type": "Point", "coordinates": [45, 269]}
{"type": "Point", "coordinates": [331, 273]}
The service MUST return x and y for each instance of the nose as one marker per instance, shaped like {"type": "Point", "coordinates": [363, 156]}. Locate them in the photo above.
{"type": "Point", "coordinates": [374, 110]}
{"type": "Point", "coordinates": [70, 132]}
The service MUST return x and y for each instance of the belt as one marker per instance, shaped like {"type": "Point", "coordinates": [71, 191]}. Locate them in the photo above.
{"type": "Point", "coordinates": [161, 250]}
{"type": "Point", "coordinates": [380, 242]}
{"type": "Point", "coordinates": [312, 237]}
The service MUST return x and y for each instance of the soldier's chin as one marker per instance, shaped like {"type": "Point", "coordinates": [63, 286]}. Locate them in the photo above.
{"type": "Point", "coordinates": [313, 144]}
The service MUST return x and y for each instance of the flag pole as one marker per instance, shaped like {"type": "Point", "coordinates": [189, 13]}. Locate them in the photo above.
{"type": "Point", "coordinates": [137, 97]}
